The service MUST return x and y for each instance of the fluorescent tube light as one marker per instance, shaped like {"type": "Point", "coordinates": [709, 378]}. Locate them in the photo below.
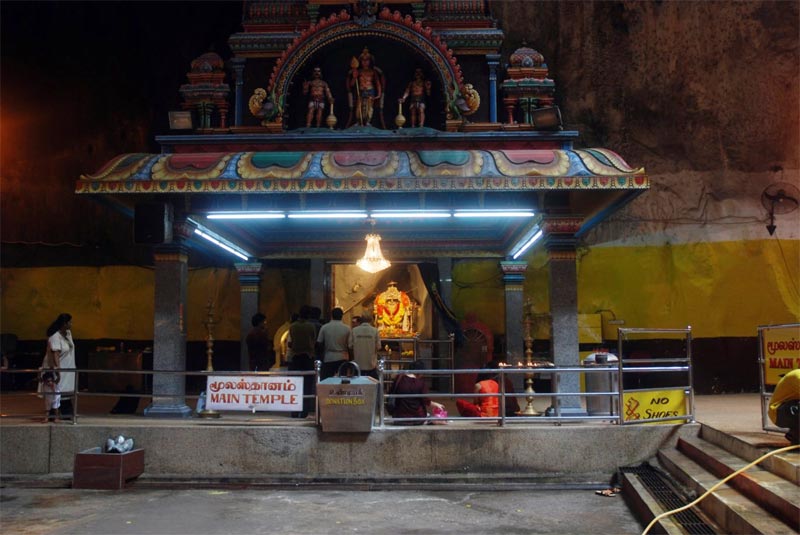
{"type": "Point", "coordinates": [218, 243]}
{"type": "Point", "coordinates": [246, 215]}
{"type": "Point", "coordinates": [410, 214]}
{"type": "Point", "coordinates": [349, 214]}
{"type": "Point", "coordinates": [527, 245]}
{"type": "Point", "coordinates": [494, 213]}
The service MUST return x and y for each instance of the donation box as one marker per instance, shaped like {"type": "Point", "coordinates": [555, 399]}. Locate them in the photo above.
{"type": "Point", "coordinates": [347, 404]}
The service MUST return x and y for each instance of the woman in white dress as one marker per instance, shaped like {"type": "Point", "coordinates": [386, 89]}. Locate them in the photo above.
{"type": "Point", "coordinates": [60, 355]}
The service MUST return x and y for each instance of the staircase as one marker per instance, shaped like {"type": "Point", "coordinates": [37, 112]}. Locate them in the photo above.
{"type": "Point", "coordinates": [764, 499]}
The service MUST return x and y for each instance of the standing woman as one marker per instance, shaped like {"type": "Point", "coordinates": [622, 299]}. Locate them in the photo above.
{"type": "Point", "coordinates": [61, 355]}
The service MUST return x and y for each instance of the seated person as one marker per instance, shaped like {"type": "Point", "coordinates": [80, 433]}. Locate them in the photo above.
{"type": "Point", "coordinates": [784, 405]}
{"type": "Point", "coordinates": [485, 405]}
{"type": "Point", "coordinates": [512, 405]}
{"type": "Point", "coordinates": [409, 383]}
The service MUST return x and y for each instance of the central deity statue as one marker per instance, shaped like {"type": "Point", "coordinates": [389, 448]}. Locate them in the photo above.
{"type": "Point", "coordinates": [394, 313]}
{"type": "Point", "coordinates": [365, 86]}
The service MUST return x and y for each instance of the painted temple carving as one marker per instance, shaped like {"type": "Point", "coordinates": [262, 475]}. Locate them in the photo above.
{"type": "Point", "coordinates": [382, 69]}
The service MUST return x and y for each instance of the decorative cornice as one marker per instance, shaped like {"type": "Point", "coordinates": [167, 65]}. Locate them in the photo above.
{"type": "Point", "coordinates": [561, 254]}
{"type": "Point", "coordinates": [561, 225]}
{"type": "Point", "coordinates": [365, 171]}
{"type": "Point", "coordinates": [170, 257]}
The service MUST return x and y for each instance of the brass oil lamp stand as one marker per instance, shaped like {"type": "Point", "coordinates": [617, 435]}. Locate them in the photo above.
{"type": "Point", "coordinates": [209, 325]}
{"type": "Point", "coordinates": [529, 410]}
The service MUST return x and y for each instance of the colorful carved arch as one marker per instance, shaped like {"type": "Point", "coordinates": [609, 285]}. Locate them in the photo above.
{"type": "Point", "coordinates": [392, 26]}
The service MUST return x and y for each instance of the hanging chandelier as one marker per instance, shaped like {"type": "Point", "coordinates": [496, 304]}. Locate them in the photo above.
{"type": "Point", "coordinates": [373, 260]}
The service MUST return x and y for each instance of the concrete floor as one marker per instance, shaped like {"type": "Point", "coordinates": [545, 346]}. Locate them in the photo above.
{"type": "Point", "coordinates": [34, 511]}
{"type": "Point", "coordinates": [200, 512]}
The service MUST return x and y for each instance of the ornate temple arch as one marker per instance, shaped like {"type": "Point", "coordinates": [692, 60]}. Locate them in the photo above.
{"type": "Point", "coordinates": [389, 26]}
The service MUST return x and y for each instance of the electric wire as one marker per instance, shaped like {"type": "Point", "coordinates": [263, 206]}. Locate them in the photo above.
{"type": "Point", "coordinates": [788, 270]}
{"type": "Point", "coordinates": [717, 485]}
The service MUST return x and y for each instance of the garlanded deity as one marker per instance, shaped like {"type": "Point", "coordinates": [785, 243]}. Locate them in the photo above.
{"type": "Point", "coordinates": [394, 312]}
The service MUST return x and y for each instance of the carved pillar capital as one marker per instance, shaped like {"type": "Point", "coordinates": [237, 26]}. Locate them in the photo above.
{"type": "Point", "coordinates": [249, 276]}
{"type": "Point", "coordinates": [513, 274]}
{"type": "Point", "coordinates": [170, 253]}
{"type": "Point", "coordinates": [560, 240]}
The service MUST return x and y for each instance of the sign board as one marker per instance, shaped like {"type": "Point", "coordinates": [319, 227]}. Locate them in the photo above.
{"type": "Point", "coordinates": [651, 404]}
{"type": "Point", "coordinates": [254, 393]}
{"type": "Point", "coordinates": [780, 347]}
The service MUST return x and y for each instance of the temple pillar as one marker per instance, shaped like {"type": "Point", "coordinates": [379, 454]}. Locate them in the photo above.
{"type": "Point", "coordinates": [238, 71]}
{"type": "Point", "coordinates": [317, 283]}
{"type": "Point", "coordinates": [249, 285]}
{"type": "Point", "coordinates": [560, 244]}
{"type": "Point", "coordinates": [493, 60]}
{"type": "Point", "coordinates": [445, 265]}
{"type": "Point", "coordinates": [169, 333]}
{"type": "Point", "coordinates": [513, 278]}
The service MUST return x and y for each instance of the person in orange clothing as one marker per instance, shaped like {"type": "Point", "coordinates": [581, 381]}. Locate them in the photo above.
{"type": "Point", "coordinates": [485, 405]}
{"type": "Point", "coordinates": [784, 405]}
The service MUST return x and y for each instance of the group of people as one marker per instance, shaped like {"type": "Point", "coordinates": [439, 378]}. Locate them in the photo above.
{"type": "Point", "coordinates": [334, 343]}
{"type": "Point", "coordinates": [366, 87]}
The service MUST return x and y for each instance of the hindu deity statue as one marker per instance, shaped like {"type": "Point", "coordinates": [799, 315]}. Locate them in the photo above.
{"type": "Point", "coordinates": [417, 89]}
{"type": "Point", "coordinates": [319, 93]}
{"type": "Point", "coordinates": [394, 312]}
{"type": "Point", "coordinates": [365, 86]}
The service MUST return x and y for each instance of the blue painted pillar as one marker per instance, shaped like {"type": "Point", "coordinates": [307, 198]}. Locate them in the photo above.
{"type": "Point", "coordinates": [493, 60]}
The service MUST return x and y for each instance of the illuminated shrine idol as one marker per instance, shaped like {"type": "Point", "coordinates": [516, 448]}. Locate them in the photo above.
{"type": "Point", "coordinates": [394, 313]}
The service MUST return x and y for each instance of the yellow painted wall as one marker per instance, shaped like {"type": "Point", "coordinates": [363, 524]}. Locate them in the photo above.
{"type": "Point", "coordinates": [720, 289]}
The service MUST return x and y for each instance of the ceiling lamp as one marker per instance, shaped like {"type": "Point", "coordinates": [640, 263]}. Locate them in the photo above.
{"type": "Point", "coordinates": [373, 260]}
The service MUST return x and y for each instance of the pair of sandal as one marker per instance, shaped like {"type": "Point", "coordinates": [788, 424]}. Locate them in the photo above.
{"type": "Point", "coordinates": [608, 492]}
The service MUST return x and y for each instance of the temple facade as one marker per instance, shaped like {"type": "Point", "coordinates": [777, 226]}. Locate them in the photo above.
{"type": "Point", "coordinates": [329, 121]}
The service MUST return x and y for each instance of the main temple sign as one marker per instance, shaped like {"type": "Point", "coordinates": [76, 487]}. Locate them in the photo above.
{"type": "Point", "coordinates": [254, 393]}
{"type": "Point", "coordinates": [780, 347]}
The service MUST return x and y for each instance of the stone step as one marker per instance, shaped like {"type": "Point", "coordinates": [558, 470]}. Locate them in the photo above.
{"type": "Point", "coordinates": [645, 507]}
{"type": "Point", "coordinates": [786, 465]}
{"type": "Point", "coordinates": [728, 508]}
{"type": "Point", "coordinates": [770, 491]}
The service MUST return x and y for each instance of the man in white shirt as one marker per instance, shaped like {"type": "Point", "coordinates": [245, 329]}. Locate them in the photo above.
{"type": "Point", "coordinates": [332, 340]}
{"type": "Point", "coordinates": [365, 342]}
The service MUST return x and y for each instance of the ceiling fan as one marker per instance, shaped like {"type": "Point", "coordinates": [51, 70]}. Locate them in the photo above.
{"type": "Point", "coordinates": [779, 198]}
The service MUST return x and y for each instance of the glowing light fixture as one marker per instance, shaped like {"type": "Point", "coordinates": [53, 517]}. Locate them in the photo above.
{"type": "Point", "coordinates": [494, 213]}
{"type": "Point", "coordinates": [526, 245]}
{"type": "Point", "coordinates": [246, 215]}
{"type": "Point", "coordinates": [410, 214]}
{"type": "Point", "coordinates": [220, 244]}
{"type": "Point", "coordinates": [373, 260]}
{"type": "Point", "coordinates": [344, 214]}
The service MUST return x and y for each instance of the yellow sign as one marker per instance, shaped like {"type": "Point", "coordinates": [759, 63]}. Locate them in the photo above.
{"type": "Point", "coordinates": [653, 404]}
{"type": "Point", "coordinates": [781, 349]}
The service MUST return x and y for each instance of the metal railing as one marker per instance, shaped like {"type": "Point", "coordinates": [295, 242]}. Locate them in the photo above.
{"type": "Point", "coordinates": [680, 364]}
{"type": "Point", "coordinates": [77, 394]}
{"type": "Point", "coordinates": [556, 413]}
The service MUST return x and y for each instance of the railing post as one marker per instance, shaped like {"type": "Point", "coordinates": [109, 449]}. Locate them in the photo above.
{"type": "Point", "coordinates": [381, 401]}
